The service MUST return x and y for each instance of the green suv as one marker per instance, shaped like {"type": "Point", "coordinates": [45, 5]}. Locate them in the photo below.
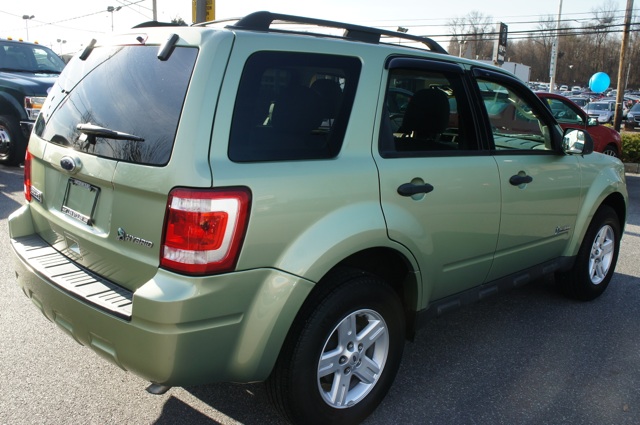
{"type": "Point", "coordinates": [242, 203]}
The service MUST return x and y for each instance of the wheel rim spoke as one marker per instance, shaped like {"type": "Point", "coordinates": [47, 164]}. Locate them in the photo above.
{"type": "Point", "coordinates": [329, 363]}
{"type": "Point", "coordinates": [369, 335]}
{"type": "Point", "coordinates": [340, 390]}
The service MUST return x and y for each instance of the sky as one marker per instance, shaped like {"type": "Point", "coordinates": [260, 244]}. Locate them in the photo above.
{"type": "Point", "coordinates": [66, 25]}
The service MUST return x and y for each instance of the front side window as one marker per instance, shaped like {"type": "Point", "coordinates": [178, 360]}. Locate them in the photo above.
{"type": "Point", "coordinates": [515, 124]}
{"type": "Point", "coordinates": [124, 89]}
{"type": "Point", "coordinates": [292, 106]}
{"type": "Point", "coordinates": [563, 112]}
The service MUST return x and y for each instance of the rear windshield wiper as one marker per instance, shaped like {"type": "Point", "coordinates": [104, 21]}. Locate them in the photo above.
{"type": "Point", "coordinates": [92, 131]}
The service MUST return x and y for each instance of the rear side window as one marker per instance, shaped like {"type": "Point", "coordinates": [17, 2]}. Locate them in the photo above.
{"type": "Point", "coordinates": [292, 106]}
{"type": "Point", "coordinates": [124, 89]}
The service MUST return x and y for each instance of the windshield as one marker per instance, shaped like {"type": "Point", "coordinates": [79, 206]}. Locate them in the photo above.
{"type": "Point", "coordinates": [598, 107]}
{"type": "Point", "coordinates": [122, 103]}
{"type": "Point", "coordinates": [26, 57]}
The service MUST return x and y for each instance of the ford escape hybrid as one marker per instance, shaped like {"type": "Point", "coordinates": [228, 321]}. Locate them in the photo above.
{"type": "Point", "coordinates": [251, 203]}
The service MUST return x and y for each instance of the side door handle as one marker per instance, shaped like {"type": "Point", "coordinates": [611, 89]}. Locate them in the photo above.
{"type": "Point", "coordinates": [517, 180]}
{"type": "Point", "coordinates": [410, 189]}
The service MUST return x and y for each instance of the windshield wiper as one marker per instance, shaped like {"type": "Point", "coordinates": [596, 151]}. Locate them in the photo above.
{"type": "Point", "coordinates": [47, 71]}
{"type": "Point", "coordinates": [3, 69]}
{"type": "Point", "coordinates": [92, 131]}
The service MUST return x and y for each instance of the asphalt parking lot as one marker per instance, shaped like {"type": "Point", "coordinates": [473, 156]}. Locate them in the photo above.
{"type": "Point", "coordinates": [529, 356]}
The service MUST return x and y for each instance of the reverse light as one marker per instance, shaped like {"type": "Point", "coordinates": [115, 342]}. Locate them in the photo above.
{"type": "Point", "coordinates": [204, 229]}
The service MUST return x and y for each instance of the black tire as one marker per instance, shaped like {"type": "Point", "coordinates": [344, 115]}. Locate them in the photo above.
{"type": "Point", "coordinates": [596, 259]}
{"type": "Point", "coordinates": [350, 302]}
{"type": "Point", "coordinates": [12, 142]}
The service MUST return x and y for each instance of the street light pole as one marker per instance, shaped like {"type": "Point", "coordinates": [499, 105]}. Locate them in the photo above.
{"type": "Point", "coordinates": [60, 43]}
{"type": "Point", "coordinates": [27, 18]}
{"type": "Point", "coordinates": [461, 47]}
{"type": "Point", "coordinates": [113, 9]}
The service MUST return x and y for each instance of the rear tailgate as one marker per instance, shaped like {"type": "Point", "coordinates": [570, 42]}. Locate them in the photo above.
{"type": "Point", "coordinates": [99, 200]}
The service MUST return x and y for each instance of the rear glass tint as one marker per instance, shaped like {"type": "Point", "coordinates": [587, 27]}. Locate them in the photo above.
{"type": "Point", "coordinates": [126, 89]}
{"type": "Point", "coordinates": [292, 106]}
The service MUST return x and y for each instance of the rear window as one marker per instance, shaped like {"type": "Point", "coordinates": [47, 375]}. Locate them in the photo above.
{"type": "Point", "coordinates": [125, 89]}
{"type": "Point", "coordinates": [292, 106]}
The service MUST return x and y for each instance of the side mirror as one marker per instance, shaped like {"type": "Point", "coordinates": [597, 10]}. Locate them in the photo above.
{"type": "Point", "coordinates": [577, 142]}
{"type": "Point", "coordinates": [592, 121]}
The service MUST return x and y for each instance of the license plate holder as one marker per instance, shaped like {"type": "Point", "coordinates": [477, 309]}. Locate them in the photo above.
{"type": "Point", "coordinates": [80, 200]}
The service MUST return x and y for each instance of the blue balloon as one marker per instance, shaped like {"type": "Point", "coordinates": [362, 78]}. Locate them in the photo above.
{"type": "Point", "coordinates": [599, 82]}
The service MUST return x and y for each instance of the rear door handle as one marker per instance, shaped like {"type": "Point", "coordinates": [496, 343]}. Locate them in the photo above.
{"type": "Point", "coordinates": [517, 180]}
{"type": "Point", "coordinates": [410, 189]}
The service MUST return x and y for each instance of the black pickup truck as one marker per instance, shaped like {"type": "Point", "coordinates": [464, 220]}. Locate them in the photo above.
{"type": "Point", "coordinates": [27, 72]}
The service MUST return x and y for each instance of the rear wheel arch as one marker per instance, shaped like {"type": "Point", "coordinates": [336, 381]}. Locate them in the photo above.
{"type": "Point", "coordinates": [354, 292]}
{"type": "Point", "coordinates": [397, 271]}
{"type": "Point", "coordinates": [385, 263]}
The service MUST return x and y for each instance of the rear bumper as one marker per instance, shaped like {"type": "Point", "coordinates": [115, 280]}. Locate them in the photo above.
{"type": "Point", "coordinates": [178, 330]}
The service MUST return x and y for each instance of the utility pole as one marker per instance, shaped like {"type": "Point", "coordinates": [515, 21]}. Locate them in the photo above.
{"type": "Point", "coordinates": [617, 120]}
{"type": "Point", "coordinates": [554, 53]}
{"type": "Point", "coordinates": [203, 11]}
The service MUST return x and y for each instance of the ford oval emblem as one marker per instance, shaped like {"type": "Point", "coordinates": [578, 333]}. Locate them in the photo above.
{"type": "Point", "coordinates": [69, 164]}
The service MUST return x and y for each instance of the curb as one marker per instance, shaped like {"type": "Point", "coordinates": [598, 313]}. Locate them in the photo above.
{"type": "Point", "coordinates": [632, 168]}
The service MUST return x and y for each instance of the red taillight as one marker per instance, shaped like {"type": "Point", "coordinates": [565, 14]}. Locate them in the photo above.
{"type": "Point", "coordinates": [204, 230]}
{"type": "Point", "coordinates": [27, 176]}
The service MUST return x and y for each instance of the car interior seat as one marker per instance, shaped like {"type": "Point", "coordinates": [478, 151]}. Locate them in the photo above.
{"type": "Point", "coordinates": [426, 118]}
{"type": "Point", "coordinates": [330, 94]}
{"type": "Point", "coordinates": [427, 114]}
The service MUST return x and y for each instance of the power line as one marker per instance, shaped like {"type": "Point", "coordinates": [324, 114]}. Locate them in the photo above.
{"type": "Point", "coordinates": [40, 24]}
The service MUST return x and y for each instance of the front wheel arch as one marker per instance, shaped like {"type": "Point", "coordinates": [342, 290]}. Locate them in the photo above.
{"type": "Point", "coordinates": [12, 142]}
{"type": "Point", "coordinates": [597, 257]}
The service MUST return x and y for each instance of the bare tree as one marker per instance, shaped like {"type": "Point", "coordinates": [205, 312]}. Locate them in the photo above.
{"type": "Point", "coordinates": [473, 31]}
{"type": "Point", "coordinates": [584, 49]}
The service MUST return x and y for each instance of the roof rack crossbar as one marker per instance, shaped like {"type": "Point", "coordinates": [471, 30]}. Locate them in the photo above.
{"type": "Point", "coordinates": [261, 21]}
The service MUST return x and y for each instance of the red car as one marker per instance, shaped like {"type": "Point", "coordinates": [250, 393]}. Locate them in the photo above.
{"type": "Point", "coordinates": [570, 115]}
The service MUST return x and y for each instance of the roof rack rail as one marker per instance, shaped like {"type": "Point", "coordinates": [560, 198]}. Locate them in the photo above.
{"type": "Point", "coordinates": [261, 21]}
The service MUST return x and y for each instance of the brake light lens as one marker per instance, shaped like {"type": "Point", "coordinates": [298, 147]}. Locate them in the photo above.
{"type": "Point", "coordinates": [27, 176]}
{"type": "Point", "coordinates": [204, 230]}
